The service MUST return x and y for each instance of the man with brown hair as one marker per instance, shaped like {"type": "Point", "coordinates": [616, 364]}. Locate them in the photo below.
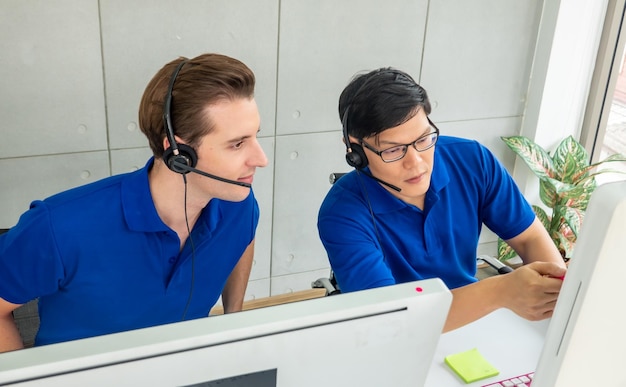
{"type": "Point", "coordinates": [158, 245]}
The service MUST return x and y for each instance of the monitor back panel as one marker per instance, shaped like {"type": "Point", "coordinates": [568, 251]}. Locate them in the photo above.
{"type": "Point", "coordinates": [586, 339]}
{"type": "Point", "coordinates": [383, 336]}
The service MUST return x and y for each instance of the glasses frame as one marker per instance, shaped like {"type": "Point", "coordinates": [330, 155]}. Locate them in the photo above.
{"type": "Point", "coordinates": [406, 146]}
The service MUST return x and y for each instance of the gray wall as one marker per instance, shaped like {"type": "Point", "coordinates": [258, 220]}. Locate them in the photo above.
{"type": "Point", "coordinates": [73, 71]}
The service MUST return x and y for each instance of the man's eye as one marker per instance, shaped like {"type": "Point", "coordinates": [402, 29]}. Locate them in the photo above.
{"type": "Point", "coordinates": [238, 145]}
{"type": "Point", "coordinates": [393, 151]}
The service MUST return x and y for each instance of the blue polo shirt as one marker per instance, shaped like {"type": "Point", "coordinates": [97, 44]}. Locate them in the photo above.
{"type": "Point", "coordinates": [102, 261]}
{"type": "Point", "coordinates": [375, 239]}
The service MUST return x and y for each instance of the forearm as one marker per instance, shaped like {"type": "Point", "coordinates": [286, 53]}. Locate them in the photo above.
{"type": "Point", "coordinates": [10, 338]}
{"type": "Point", "coordinates": [535, 245]}
{"type": "Point", "coordinates": [472, 302]}
{"type": "Point", "coordinates": [235, 288]}
{"type": "Point", "coordinates": [530, 291]}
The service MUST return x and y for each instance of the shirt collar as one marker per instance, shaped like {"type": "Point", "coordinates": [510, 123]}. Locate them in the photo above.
{"type": "Point", "coordinates": [138, 206]}
{"type": "Point", "coordinates": [141, 214]}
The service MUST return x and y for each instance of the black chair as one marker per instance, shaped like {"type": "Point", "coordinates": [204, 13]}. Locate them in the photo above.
{"type": "Point", "coordinates": [330, 283]}
{"type": "Point", "coordinates": [26, 317]}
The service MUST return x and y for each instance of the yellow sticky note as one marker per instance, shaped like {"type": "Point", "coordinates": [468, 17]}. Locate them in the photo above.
{"type": "Point", "coordinates": [471, 365]}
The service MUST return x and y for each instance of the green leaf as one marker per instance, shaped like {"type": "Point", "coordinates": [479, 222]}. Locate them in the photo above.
{"type": "Point", "coordinates": [569, 158]}
{"type": "Point", "coordinates": [553, 192]}
{"type": "Point", "coordinates": [603, 171]}
{"type": "Point", "coordinates": [578, 197]}
{"type": "Point", "coordinates": [542, 216]}
{"type": "Point", "coordinates": [547, 192]}
{"type": "Point", "coordinates": [505, 252]}
{"type": "Point", "coordinates": [573, 217]}
{"type": "Point", "coordinates": [566, 247]}
{"type": "Point", "coordinates": [537, 159]}
{"type": "Point", "coordinates": [611, 158]}
{"type": "Point", "coordinates": [585, 172]}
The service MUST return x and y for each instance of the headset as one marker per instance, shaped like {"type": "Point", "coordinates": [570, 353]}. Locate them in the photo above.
{"type": "Point", "coordinates": [181, 158]}
{"type": "Point", "coordinates": [177, 154]}
{"type": "Point", "coordinates": [355, 155]}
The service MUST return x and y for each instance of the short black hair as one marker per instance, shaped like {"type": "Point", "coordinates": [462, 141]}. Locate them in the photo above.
{"type": "Point", "coordinates": [379, 100]}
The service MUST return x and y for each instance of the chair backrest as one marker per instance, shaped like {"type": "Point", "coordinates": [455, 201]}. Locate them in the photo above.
{"type": "Point", "coordinates": [27, 320]}
{"type": "Point", "coordinates": [330, 283]}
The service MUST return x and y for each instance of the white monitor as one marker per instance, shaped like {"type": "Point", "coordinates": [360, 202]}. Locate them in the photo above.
{"type": "Point", "coordinates": [586, 338]}
{"type": "Point", "coordinates": [378, 337]}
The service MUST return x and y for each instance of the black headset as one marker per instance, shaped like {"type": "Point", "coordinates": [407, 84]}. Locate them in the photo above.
{"type": "Point", "coordinates": [176, 153]}
{"type": "Point", "coordinates": [355, 155]}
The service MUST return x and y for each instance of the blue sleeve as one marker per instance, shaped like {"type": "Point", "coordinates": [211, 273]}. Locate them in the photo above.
{"type": "Point", "coordinates": [30, 264]}
{"type": "Point", "coordinates": [348, 235]}
{"type": "Point", "coordinates": [504, 210]}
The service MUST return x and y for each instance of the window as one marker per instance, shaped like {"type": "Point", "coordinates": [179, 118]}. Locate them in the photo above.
{"type": "Point", "coordinates": [604, 126]}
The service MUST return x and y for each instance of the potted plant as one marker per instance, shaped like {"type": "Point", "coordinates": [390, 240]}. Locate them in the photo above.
{"type": "Point", "coordinates": [566, 182]}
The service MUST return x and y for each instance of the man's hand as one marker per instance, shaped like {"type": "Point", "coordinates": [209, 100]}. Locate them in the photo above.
{"type": "Point", "coordinates": [531, 291]}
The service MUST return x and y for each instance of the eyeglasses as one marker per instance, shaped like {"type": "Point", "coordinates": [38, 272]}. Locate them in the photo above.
{"type": "Point", "coordinates": [397, 152]}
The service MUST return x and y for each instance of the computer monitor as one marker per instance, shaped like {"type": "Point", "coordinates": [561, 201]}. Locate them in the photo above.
{"type": "Point", "coordinates": [379, 337]}
{"type": "Point", "coordinates": [586, 338]}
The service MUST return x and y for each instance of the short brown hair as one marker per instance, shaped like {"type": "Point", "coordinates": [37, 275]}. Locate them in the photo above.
{"type": "Point", "coordinates": [202, 81]}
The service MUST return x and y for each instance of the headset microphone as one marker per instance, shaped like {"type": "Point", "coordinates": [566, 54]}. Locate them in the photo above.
{"type": "Point", "coordinates": [186, 168]}
{"type": "Point", "coordinates": [393, 187]}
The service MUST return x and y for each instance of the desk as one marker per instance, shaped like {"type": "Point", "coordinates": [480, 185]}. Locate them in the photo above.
{"type": "Point", "coordinates": [275, 300]}
{"type": "Point", "coordinates": [509, 342]}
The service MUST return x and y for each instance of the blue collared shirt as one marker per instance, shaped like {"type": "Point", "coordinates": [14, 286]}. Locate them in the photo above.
{"type": "Point", "coordinates": [375, 239]}
{"type": "Point", "coordinates": [101, 260]}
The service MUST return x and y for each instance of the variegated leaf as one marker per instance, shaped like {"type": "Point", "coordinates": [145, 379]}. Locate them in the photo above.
{"type": "Point", "coordinates": [542, 216]}
{"type": "Point", "coordinates": [586, 172]}
{"type": "Point", "coordinates": [569, 169]}
{"type": "Point", "coordinates": [553, 192]}
{"type": "Point", "coordinates": [560, 186]}
{"type": "Point", "coordinates": [505, 252]}
{"type": "Point", "coordinates": [547, 192]}
{"type": "Point", "coordinates": [569, 157]}
{"type": "Point", "coordinates": [611, 158]}
{"type": "Point", "coordinates": [537, 159]}
{"type": "Point", "coordinates": [566, 247]}
{"type": "Point", "coordinates": [574, 219]}
{"type": "Point", "coordinates": [579, 196]}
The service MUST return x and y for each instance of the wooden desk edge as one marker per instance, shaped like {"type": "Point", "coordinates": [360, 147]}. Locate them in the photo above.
{"type": "Point", "coordinates": [276, 300]}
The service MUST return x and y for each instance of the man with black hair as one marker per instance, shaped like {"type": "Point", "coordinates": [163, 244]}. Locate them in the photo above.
{"type": "Point", "coordinates": [416, 202]}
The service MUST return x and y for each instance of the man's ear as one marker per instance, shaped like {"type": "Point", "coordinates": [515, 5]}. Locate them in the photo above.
{"type": "Point", "coordinates": [352, 139]}
{"type": "Point", "coordinates": [166, 143]}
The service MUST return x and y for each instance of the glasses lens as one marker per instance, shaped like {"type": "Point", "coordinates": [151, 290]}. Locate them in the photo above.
{"type": "Point", "coordinates": [425, 142]}
{"type": "Point", "coordinates": [393, 154]}
{"type": "Point", "coordinates": [397, 152]}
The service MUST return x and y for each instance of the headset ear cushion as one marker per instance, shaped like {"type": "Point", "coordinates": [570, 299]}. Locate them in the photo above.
{"type": "Point", "coordinates": [186, 156]}
{"type": "Point", "coordinates": [356, 158]}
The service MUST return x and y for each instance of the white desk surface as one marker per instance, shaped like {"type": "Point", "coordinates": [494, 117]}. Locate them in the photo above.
{"type": "Point", "coordinates": [509, 342]}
